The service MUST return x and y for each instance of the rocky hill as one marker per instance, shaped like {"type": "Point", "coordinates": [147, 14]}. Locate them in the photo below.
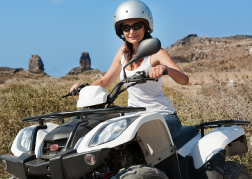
{"type": "Point", "coordinates": [35, 71]}
{"type": "Point", "coordinates": [7, 73]}
{"type": "Point", "coordinates": [199, 54]}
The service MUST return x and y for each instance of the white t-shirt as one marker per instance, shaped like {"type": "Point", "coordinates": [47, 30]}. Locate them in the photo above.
{"type": "Point", "coordinates": [149, 94]}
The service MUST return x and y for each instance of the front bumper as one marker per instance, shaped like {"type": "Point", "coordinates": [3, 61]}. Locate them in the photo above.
{"type": "Point", "coordinates": [65, 165]}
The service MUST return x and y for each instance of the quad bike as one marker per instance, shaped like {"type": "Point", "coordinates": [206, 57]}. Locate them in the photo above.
{"type": "Point", "coordinates": [102, 140]}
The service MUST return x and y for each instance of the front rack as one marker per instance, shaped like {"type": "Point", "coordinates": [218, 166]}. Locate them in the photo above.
{"type": "Point", "coordinates": [82, 113]}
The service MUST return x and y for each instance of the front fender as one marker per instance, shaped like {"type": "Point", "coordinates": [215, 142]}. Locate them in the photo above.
{"type": "Point", "coordinates": [149, 130]}
{"type": "Point", "coordinates": [39, 139]}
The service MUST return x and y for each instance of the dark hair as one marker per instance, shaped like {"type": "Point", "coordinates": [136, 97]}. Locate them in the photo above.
{"type": "Point", "coordinates": [128, 51]}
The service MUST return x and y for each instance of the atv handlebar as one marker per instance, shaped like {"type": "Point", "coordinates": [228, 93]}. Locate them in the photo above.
{"type": "Point", "coordinates": [76, 90]}
{"type": "Point", "coordinates": [141, 77]}
{"type": "Point", "coordinates": [138, 78]}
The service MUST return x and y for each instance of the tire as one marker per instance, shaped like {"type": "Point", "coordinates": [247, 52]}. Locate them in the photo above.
{"type": "Point", "coordinates": [232, 170]}
{"type": "Point", "coordinates": [140, 172]}
{"type": "Point", "coordinates": [13, 177]}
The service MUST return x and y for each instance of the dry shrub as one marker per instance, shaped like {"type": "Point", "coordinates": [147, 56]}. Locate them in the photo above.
{"type": "Point", "coordinates": [210, 89]}
{"type": "Point", "coordinates": [12, 86]}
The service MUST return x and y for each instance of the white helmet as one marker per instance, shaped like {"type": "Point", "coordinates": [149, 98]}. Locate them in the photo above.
{"type": "Point", "coordinates": [133, 10]}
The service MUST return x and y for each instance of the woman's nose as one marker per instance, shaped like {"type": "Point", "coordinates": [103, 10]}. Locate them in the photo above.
{"type": "Point", "coordinates": [132, 30]}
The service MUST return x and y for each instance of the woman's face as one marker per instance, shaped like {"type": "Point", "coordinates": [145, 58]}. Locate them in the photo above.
{"type": "Point", "coordinates": [133, 36]}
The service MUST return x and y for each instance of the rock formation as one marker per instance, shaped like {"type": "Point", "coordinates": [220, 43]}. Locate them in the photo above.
{"type": "Point", "coordinates": [35, 64]}
{"type": "Point", "coordinates": [85, 61]}
{"type": "Point", "coordinates": [85, 66]}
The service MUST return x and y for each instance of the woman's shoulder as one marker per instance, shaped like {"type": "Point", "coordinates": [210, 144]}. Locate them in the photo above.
{"type": "Point", "coordinates": [122, 49]}
{"type": "Point", "coordinates": [161, 54]}
{"type": "Point", "coordinates": [120, 53]}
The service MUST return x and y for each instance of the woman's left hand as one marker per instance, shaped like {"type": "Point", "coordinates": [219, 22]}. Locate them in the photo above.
{"type": "Point", "coordinates": [157, 71]}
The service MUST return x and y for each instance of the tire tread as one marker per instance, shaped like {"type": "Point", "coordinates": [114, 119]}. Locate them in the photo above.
{"type": "Point", "coordinates": [140, 172]}
{"type": "Point", "coordinates": [232, 170]}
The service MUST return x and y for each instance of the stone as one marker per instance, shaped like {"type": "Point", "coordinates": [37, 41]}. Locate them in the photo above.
{"type": "Point", "coordinates": [250, 50]}
{"type": "Point", "coordinates": [85, 65]}
{"type": "Point", "coordinates": [85, 61]}
{"type": "Point", "coordinates": [250, 142]}
{"type": "Point", "coordinates": [35, 64]}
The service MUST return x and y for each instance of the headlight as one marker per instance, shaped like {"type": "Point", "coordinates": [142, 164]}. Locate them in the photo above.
{"type": "Point", "coordinates": [111, 131]}
{"type": "Point", "coordinates": [24, 139]}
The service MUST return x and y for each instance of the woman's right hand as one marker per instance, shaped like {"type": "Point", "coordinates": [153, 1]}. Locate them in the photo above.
{"type": "Point", "coordinates": [73, 87]}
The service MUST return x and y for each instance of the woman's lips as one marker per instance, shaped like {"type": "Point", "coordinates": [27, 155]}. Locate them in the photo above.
{"type": "Point", "coordinates": [133, 37]}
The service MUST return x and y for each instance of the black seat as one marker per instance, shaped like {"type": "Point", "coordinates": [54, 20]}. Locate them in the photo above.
{"type": "Point", "coordinates": [186, 134]}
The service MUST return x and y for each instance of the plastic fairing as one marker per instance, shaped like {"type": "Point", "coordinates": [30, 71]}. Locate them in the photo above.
{"type": "Point", "coordinates": [202, 149]}
{"type": "Point", "coordinates": [40, 136]}
{"type": "Point", "coordinates": [92, 95]}
{"type": "Point", "coordinates": [156, 145]}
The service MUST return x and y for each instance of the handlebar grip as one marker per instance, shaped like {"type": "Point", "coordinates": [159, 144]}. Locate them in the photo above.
{"type": "Point", "coordinates": [165, 72]}
{"type": "Point", "coordinates": [76, 90]}
{"type": "Point", "coordinates": [68, 94]}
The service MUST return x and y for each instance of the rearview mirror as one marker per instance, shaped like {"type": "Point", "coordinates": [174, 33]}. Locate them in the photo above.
{"type": "Point", "coordinates": [146, 48]}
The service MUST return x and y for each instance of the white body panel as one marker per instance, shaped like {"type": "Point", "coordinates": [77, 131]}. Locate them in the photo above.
{"type": "Point", "coordinates": [202, 149]}
{"type": "Point", "coordinates": [92, 95]}
{"type": "Point", "coordinates": [40, 136]}
{"type": "Point", "coordinates": [152, 133]}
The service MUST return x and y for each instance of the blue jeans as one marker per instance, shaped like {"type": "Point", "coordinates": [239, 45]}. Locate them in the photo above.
{"type": "Point", "coordinates": [174, 124]}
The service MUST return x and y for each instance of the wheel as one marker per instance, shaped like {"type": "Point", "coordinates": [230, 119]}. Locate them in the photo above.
{"type": "Point", "coordinates": [13, 177]}
{"type": "Point", "coordinates": [232, 170]}
{"type": "Point", "coordinates": [140, 172]}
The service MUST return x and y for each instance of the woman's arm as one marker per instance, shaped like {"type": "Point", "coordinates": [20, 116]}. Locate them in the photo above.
{"type": "Point", "coordinates": [161, 61]}
{"type": "Point", "coordinates": [112, 73]}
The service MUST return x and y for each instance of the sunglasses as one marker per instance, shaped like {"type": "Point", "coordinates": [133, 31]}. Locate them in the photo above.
{"type": "Point", "coordinates": [136, 26]}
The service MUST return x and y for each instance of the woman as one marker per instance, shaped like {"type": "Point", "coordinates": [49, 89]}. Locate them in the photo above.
{"type": "Point", "coordinates": [133, 23]}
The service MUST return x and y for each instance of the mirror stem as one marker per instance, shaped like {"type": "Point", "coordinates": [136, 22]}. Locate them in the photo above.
{"type": "Point", "coordinates": [124, 73]}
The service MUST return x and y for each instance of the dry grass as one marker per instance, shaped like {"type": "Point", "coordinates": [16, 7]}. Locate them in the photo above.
{"type": "Point", "coordinates": [210, 96]}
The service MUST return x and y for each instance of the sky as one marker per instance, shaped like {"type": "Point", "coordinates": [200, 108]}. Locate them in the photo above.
{"type": "Point", "coordinates": [60, 30]}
